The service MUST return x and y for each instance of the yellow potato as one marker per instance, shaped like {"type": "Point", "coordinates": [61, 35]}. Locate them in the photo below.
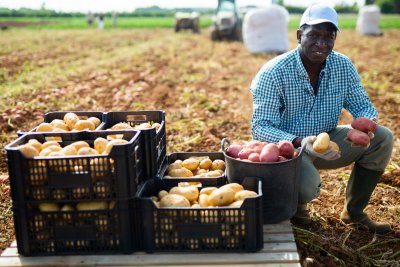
{"type": "Point", "coordinates": [182, 172]}
{"type": "Point", "coordinates": [95, 121]}
{"type": "Point", "coordinates": [70, 119]}
{"type": "Point", "coordinates": [44, 127]}
{"type": "Point", "coordinates": [68, 151]}
{"type": "Point", "coordinates": [100, 144]}
{"type": "Point", "coordinates": [190, 164]}
{"type": "Point", "coordinates": [240, 195]}
{"type": "Point", "coordinates": [162, 193]}
{"type": "Point", "coordinates": [67, 207]}
{"type": "Point", "coordinates": [46, 152]}
{"type": "Point", "coordinates": [59, 125]}
{"type": "Point", "coordinates": [142, 126]}
{"type": "Point", "coordinates": [110, 144]}
{"type": "Point", "coordinates": [174, 200]}
{"type": "Point", "coordinates": [321, 143]}
{"type": "Point", "coordinates": [221, 197]}
{"type": "Point", "coordinates": [121, 126]}
{"type": "Point", "coordinates": [28, 151]}
{"type": "Point", "coordinates": [56, 121]}
{"type": "Point", "coordinates": [101, 205]}
{"type": "Point", "coordinates": [156, 125]}
{"type": "Point", "coordinates": [233, 186]}
{"type": "Point", "coordinates": [203, 200]}
{"type": "Point", "coordinates": [215, 173]}
{"type": "Point", "coordinates": [190, 192]}
{"type": "Point", "coordinates": [218, 164]}
{"type": "Point", "coordinates": [36, 144]}
{"type": "Point", "coordinates": [48, 207]}
{"type": "Point", "coordinates": [205, 164]}
{"type": "Point", "coordinates": [81, 125]}
{"type": "Point", "coordinates": [50, 143]}
{"type": "Point", "coordinates": [207, 190]}
{"type": "Point", "coordinates": [236, 204]}
{"type": "Point", "coordinates": [87, 151]}
{"type": "Point", "coordinates": [334, 146]}
{"type": "Point", "coordinates": [79, 144]}
{"type": "Point", "coordinates": [200, 172]}
{"type": "Point", "coordinates": [174, 165]}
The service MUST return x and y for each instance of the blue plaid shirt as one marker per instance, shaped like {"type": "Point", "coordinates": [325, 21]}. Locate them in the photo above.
{"type": "Point", "coordinates": [284, 103]}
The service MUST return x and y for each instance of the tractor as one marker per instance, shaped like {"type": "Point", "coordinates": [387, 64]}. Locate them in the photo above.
{"type": "Point", "coordinates": [188, 21]}
{"type": "Point", "coordinates": [227, 22]}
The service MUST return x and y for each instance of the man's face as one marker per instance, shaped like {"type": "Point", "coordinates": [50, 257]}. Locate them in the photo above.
{"type": "Point", "coordinates": [316, 42]}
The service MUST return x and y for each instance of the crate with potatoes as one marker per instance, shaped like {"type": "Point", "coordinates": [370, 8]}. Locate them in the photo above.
{"type": "Point", "coordinates": [151, 124]}
{"type": "Point", "coordinates": [74, 195]}
{"type": "Point", "coordinates": [194, 168]}
{"type": "Point", "coordinates": [68, 121]}
{"type": "Point", "coordinates": [185, 217]}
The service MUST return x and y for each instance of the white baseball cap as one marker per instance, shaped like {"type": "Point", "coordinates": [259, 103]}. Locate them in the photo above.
{"type": "Point", "coordinates": [319, 13]}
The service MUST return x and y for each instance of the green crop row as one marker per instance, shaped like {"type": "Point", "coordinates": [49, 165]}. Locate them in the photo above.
{"type": "Point", "coordinates": [346, 21]}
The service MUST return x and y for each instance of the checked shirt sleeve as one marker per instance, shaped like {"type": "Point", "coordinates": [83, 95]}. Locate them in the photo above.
{"type": "Point", "coordinates": [266, 109]}
{"type": "Point", "coordinates": [357, 101]}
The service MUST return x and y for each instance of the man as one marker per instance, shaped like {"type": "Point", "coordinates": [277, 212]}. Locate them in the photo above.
{"type": "Point", "coordinates": [300, 94]}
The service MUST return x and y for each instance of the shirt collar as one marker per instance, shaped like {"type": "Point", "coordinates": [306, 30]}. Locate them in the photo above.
{"type": "Point", "coordinates": [301, 70]}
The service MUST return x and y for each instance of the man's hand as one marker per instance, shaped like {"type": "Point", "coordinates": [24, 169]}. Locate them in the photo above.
{"type": "Point", "coordinates": [330, 154]}
{"type": "Point", "coordinates": [362, 132]}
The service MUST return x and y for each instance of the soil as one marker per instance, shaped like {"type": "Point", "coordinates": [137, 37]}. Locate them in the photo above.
{"type": "Point", "coordinates": [203, 87]}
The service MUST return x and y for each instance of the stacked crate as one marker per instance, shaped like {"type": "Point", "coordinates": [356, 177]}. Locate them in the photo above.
{"type": "Point", "coordinates": [101, 204]}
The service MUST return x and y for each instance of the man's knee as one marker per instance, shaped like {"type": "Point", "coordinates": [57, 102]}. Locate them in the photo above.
{"type": "Point", "coordinates": [378, 154]}
{"type": "Point", "coordinates": [308, 193]}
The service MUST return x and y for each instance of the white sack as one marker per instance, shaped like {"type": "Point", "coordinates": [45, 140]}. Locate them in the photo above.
{"type": "Point", "coordinates": [368, 20]}
{"type": "Point", "coordinates": [266, 29]}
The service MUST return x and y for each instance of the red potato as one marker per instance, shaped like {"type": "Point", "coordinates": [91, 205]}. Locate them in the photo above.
{"type": "Point", "coordinates": [254, 157]}
{"type": "Point", "coordinates": [286, 149]}
{"type": "Point", "coordinates": [269, 153]}
{"type": "Point", "coordinates": [358, 137]}
{"type": "Point", "coordinates": [233, 150]}
{"type": "Point", "coordinates": [255, 145]}
{"type": "Point", "coordinates": [245, 153]}
{"type": "Point", "coordinates": [281, 158]}
{"type": "Point", "coordinates": [364, 124]}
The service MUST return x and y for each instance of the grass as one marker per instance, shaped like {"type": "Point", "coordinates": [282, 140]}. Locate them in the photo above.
{"type": "Point", "coordinates": [347, 21]}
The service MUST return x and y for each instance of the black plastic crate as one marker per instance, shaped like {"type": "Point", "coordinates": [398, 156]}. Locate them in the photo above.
{"type": "Point", "coordinates": [155, 141]}
{"type": "Point", "coordinates": [56, 180]}
{"type": "Point", "coordinates": [75, 232]}
{"type": "Point", "coordinates": [205, 181]}
{"type": "Point", "coordinates": [219, 229]}
{"type": "Point", "coordinates": [50, 116]}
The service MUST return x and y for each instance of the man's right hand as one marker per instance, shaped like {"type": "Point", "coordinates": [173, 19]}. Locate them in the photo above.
{"type": "Point", "coordinates": [330, 154]}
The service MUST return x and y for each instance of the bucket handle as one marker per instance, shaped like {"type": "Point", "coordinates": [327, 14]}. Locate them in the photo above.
{"type": "Point", "coordinates": [225, 142]}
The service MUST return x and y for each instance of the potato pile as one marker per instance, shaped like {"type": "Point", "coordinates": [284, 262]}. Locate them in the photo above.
{"type": "Point", "coordinates": [195, 167]}
{"type": "Point", "coordinates": [257, 151]}
{"type": "Point", "coordinates": [70, 123]}
{"type": "Point", "coordinates": [229, 195]}
{"type": "Point", "coordinates": [81, 206]}
{"type": "Point", "coordinates": [34, 148]}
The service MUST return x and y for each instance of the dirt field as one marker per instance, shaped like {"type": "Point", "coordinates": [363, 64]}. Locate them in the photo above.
{"type": "Point", "coordinates": [203, 87]}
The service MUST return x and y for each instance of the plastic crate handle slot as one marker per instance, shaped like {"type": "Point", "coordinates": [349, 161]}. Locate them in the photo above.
{"type": "Point", "coordinates": [136, 118]}
{"type": "Point", "coordinates": [75, 232]}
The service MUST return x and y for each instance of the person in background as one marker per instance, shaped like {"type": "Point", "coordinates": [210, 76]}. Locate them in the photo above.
{"type": "Point", "coordinates": [100, 21]}
{"type": "Point", "coordinates": [300, 94]}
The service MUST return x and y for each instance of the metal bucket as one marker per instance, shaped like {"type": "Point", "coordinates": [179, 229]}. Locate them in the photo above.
{"type": "Point", "coordinates": [280, 183]}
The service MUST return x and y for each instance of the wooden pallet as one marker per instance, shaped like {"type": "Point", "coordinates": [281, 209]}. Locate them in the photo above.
{"type": "Point", "coordinates": [279, 251]}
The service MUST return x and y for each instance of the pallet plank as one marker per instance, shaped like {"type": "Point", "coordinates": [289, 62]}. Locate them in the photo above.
{"type": "Point", "coordinates": [279, 250]}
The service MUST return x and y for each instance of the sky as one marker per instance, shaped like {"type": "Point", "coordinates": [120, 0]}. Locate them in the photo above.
{"type": "Point", "coordinates": [130, 5]}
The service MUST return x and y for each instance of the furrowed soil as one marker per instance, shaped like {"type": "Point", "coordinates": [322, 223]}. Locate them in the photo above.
{"type": "Point", "coordinates": [203, 87]}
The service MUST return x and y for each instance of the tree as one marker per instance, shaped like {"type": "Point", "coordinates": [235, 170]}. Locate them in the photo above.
{"type": "Point", "coordinates": [389, 6]}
